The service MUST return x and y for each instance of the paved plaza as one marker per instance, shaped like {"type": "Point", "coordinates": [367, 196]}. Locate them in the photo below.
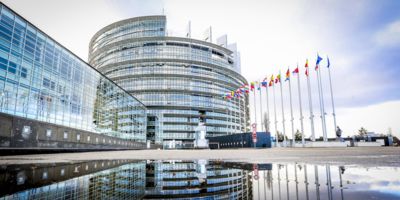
{"type": "Point", "coordinates": [373, 156]}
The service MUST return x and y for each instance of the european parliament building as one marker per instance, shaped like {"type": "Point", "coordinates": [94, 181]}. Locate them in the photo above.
{"type": "Point", "coordinates": [181, 80]}
{"type": "Point", "coordinates": [49, 98]}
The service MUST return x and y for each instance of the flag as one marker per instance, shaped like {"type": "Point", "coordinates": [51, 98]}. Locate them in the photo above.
{"type": "Point", "coordinates": [258, 85]}
{"type": "Point", "coordinates": [232, 93]}
{"type": "Point", "coordinates": [271, 80]}
{"type": "Point", "coordinates": [296, 71]}
{"type": "Point", "coordinates": [329, 64]}
{"type": "Point", "coordinates": [237, 95]}
{"type": "Point", "coordinates": [306, 65]}
{"type": "Point", "coordinates": [264, 83]}
{"type": "Point", "coordinates": [278, 78]}
{"type": "Point", "coordinates": [318, 61]}
{"type": "Point", "coordinates": [306, 71]}
{"type": "Point", "coordinates": [252, 86]}
{"type": "Point", "coordinates": [245, 88]}
{"type": "Point", "coordinates": [287, 75]}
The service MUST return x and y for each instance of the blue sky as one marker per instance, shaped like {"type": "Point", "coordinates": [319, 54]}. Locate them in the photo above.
{"type": "Point", "coordinates": [361, 37]}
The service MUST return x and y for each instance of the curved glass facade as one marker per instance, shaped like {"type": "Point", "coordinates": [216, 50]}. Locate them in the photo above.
{"type": "Point", "coordinates": [178, 79]}
{"type": "Point", "coordinates": [43, 81]}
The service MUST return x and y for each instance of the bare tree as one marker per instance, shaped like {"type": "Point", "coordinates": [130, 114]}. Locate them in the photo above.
{"type": "Point", "coordinates": [281, 136]}
{"type": "Point", "coordinates": [297, 135]}
{"type": "Point", "coordinates": [362, 132]}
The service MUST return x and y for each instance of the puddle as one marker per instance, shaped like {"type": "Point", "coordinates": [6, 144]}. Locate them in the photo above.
{"type": "Point", "coordinates": [196, 179]}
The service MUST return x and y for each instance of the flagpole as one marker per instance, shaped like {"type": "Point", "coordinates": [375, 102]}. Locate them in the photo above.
{"type": "Point", "coordinates": [301, 108]}
{"type": "Point", "coordinates": [311, 108]}
{"type": "Point", "coordinates": [291, 113]}
{"type": "Point", "coordinates": [321, 94]}
{"type": "Point", "coordinates": [333, 104]}
{"type": "Point", "coordinates": [245, 111]}
{"type": "Point", "coordinates": [276, 121]}
{"type": "Point", "coordinates": [230, 114]}
{"type": "Point", "coordinates": [255, 114]}
{"type": "Point", "coordinates": [268, 122]}
{"type": "Point", "coordinates": [261, 109]}
{"type": "Point", "coordinates": [240, 114]}
{"type": "Point", "coordinates": [320, 103]}
{"type": "Point", "coordinates": [283, 112]}
{"type": "Point", "coordinates": [255, 109]}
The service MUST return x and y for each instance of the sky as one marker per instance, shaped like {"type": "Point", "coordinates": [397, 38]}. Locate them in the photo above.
{"type": "Point", "coordinates": [361, 38]}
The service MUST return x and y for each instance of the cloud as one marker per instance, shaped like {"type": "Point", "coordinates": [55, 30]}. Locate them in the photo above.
{"type": "Point", "coordinates": [389, 36]}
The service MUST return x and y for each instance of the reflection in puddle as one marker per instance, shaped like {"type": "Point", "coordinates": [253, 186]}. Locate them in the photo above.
{"type": "Point", "coordinates": [199, 179]}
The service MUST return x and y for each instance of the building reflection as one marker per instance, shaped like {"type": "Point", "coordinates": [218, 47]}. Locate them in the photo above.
{"type": "Point", "coordinates": [108, 179]}
{"type": "Point", "coordinates": [195, 179]}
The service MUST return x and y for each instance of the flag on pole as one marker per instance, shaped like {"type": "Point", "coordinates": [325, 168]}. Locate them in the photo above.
{"type": "Point", "coordinates": [306, 66]}
{"type": "Point", "coordinates": [278, 78]}
{"type": "Point", "coordinates": [318, 61]}
{"type": "Point", "coordinates": [287, 75]}
{"type": "Point", "coordinates": [296, 71]}
{"type": "Point", "coordinates": [258, 85]}
{"type": "Point", "coordinates": [271, 81]}
{"type": "Point", "coordinates": [237, 94]}
{"type": "Point", "coordinates": [264, 83]}
{"type": "Point", "coordinates": [246, 88]}
{"type": "Point", "coordinates": [329, 63]}
{"type": "Point", "coordinates": [251, 86]}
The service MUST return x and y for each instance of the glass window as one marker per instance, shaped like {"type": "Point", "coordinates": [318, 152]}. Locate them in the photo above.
{"type": "Point", "coordinates": [23, 72]}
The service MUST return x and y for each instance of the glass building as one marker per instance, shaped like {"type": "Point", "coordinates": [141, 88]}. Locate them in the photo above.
{"type": "Point", "coordinates": [44, 82]}
{"type": "Point", "coordinates": [180, 80]}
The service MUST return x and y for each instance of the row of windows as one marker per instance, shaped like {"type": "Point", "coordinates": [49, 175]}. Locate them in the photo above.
{"type": "Point", "coordinates": [160, 52]}
{"type": "Point", "coordinates": [67, 136]}
{"type": "Point", "coordinates": [144, 28]}
{"type": "Point", "coordinates": [220, 78]}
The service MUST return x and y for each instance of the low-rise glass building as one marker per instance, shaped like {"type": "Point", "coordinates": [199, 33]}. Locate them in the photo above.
{"type": "Point", "coordinates": [181, 80]}
{"type": "Point", "coordinates": [43, 84]}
